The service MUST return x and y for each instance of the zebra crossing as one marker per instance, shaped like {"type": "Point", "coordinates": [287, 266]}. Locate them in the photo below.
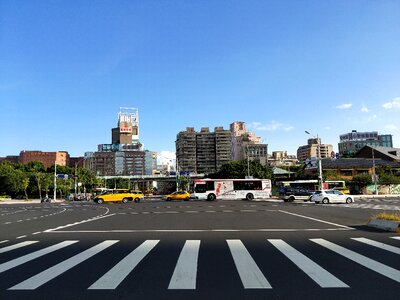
{"type": "Point", "coordinates": [184, 274]}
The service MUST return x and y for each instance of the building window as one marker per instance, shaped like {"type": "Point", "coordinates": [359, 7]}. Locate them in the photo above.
{"type": "Point", "coordinates": [346, 172]}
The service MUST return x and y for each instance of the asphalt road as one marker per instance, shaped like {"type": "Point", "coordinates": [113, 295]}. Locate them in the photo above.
{"type": "Point", "coordinates": [198, 250]}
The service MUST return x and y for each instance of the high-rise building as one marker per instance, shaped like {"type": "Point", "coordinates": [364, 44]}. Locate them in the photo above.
{"type": "Point", "coordinates": [125, 155]}
{"type": "Point", "coordinates": [314, 148]}
{"type": "Point", "coordinates": [204, 151]}
{"type": "Point", "coordinates": [353, 141]}
{"type": "Point", "coordinates": [150, 162]}
{"type": "Point", "coordinates": [223, 146]}
{"type": "Point", "coordinates": [245, 145]}
{"type": "Point", "coordinates": [185, 145]}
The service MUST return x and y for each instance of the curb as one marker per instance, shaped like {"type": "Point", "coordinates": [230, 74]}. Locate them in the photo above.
{"type": "Point", "coordinates": [392, 226]}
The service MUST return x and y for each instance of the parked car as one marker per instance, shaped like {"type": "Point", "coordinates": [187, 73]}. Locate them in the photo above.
{"type": "Point", "coordinates": [331, 196]}
{"type": "Point", "coordinates": [295, 193]}
{"type": "Point", "coordinates": [119, 195]}
{"type": "Point", "coordinates": [180, 195]}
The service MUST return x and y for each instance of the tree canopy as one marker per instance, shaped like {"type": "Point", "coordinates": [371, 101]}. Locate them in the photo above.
{"type": "Point", "coordinates": [241, 169]}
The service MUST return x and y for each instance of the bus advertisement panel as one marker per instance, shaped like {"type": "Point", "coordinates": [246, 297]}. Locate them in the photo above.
{"type": "Point", "coordinates": [231, 189]}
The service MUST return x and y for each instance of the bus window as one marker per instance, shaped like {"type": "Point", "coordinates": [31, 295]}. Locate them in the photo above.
{"type": "Point", "coordinates": [203, 187]}
{"type": "Point", "coordinates": [200, 188]}
{"type": "Point", "coordinates": [247, 185]}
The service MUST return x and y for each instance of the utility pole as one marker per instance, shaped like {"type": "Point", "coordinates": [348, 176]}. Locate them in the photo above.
{"type": "Point", "coordinates": [373, 172]}
{"type": "Point", "coordinates": [55, 180]}
{"type": "Point", "coordinates": [320, 179]}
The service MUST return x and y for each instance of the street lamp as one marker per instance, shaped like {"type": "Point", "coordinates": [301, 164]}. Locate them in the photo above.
{"type": "Point", "coordinates": [319, 160]}
{"type": "Point", "coordinates": [76, 175]}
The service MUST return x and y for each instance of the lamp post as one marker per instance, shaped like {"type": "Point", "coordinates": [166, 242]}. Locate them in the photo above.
{"type": "Point", "coordinates": [55, 181]}
{"type": "Point", "coordinates": [319, 160]}
{"type": "Point", "coordinates": [248, 163]}
{"type": "Point", "coordinates": [76, 174]}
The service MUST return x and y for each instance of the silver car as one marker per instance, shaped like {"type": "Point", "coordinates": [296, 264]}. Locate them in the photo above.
{"type": "Point", "coordinates": [331, 196]}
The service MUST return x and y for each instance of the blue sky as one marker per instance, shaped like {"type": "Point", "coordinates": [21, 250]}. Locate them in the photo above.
{"type": "Point", "coordinates": [283, 67]}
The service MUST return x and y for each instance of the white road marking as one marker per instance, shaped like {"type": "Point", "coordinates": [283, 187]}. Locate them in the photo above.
{"type": "Point", "coordinates": [21, 237]}
{"type": "Point", "coordinates": [118, 273]}
{"type": "Point", "coordinates": [23, 259]}
{"type": "Point", "coordinates": [378, 245]}
{"type": "Point", "coordinates": [322, 277]}
{"type": "Point", "coordinates": [395, 237]}
{"type": "Point", "coordinates": [250, 274]}
{"type": "Point", "coordinates": [5, 241]}
{"type": "Point", "coordinates": [185, 273]}
{"type": "Point", "coordinates": [16, 246]}
{"type": "Point", "coordinates": [78, 223]}
{"type": "Point", "coordinates": [202, 230]}
{"type": "Point", "coordinates": [361, 259]}
{"type": "Point", "coordinates": [51, 273]}
{"type": "Point", "coordinates": [314, 219]}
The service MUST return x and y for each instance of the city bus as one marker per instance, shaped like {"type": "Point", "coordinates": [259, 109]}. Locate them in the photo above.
{"type": "Point", "coordinates": [232, 189]}
{"type": "Point", "coordinates": [339, 185]}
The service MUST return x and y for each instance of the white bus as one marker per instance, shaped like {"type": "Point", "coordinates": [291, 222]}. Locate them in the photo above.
{"type": "Point", "coordinates": [230, 189]}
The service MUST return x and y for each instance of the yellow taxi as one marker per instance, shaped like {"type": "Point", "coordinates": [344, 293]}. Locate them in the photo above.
{"type": "Point", "coordinates": [119, 195]}
{"type": "Point", "coordinates": [179, 195]}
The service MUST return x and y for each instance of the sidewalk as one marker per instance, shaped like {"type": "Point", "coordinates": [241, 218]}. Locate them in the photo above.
{"type": "Point", "coordinates": [377, 196]}
{"type": "Point", "coordinates": [23, 201]}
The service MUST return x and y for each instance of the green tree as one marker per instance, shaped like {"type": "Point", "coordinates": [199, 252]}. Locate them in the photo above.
{"type": "Point", "coordinates": [11, 179]}
{"type": "Point", "coordinates": [243, 168]}
{"type": "Point", "coordinates": [37, 170]}
{"type": "Point", "coordinates": [183, 183]}
{"type": "Point", "coordinates": [25, 185]}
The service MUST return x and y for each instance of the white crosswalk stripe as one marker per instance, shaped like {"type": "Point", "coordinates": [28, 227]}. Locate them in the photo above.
{"type": "Point", "coordinates": [23, 259]}
{"type": "Point", "coordinates": [49, 274]}
{"type": "Point", "coordinates": [185, 273]}
{"type": "Point", "coordinates": [361, 259]}
{"type": "Point", "coordinates": [117, 274]}
{"type": "Point", "coordinates": [313, 270]}
{"type": "Point", "coordinates": [250, 274]}
{"type": "Point", "coordinates": [378, 245]}
{"type": "Point", "coordinates": [16, 246]}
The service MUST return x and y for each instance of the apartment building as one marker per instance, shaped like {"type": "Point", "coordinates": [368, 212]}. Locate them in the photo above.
{"type": "Point", "coordinates": [246, 145]}
{"type": "Point", "coordinates": [314, 148]}
{"type": "Point", "coordinates": [204, 151]}
{"type": "Point", "coordinates": [185, 145]}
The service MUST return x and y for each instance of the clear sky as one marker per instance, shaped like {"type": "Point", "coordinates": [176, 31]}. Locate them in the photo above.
{"type": "Point", "coordinates": [283, 67]}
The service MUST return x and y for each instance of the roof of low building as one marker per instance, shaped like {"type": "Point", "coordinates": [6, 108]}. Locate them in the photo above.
{"type": "Point", "coordinates": [349, 163]}
{"type": "Point", "coordinates": [387, 153]}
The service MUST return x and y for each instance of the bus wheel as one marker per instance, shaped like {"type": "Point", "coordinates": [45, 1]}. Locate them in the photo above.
{"type": "Point", "coordinates": [249, 196]}
{"type": "Point", "coordinates": [211, 197]}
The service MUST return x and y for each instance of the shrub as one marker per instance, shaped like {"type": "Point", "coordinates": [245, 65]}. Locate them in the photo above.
{"type": "Point", "coordinates": [388, 216]}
